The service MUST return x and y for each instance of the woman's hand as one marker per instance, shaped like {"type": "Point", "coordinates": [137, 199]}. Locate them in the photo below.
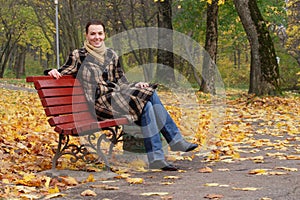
{"type": "Point", "coordinates": [54, 73]}
{"type": "Point", "coordinates": [141, 85]}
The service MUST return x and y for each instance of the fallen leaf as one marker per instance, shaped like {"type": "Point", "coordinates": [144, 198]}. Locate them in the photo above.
{"type": "Point", "coordinates": [288, 169]}
{"type": "Point", "coordinates": [88, 193]}
{"type": "Point", "coordinates": [214, 196]}
{"type": "Point", "coordinates": [277, 173]}
{"type": "Point", "coordinates": [53, 190]}
{"type": "Point", "coordinates": [211, 184]}
{"type": "Point", "coordinates": [171, 177]}
{"type": "Point", "coordinates": [135, 180]}
{"type": "Point", "coordinates": [29, 196]}
{"type": "Point", "coordinates": [246, 188]}
{"type": "Point", "coordinates": [224, 170]}
{"type": "Point", "coordinates": [167, 183]}
{"type": "Point", "coordinates": [205, 170]}
{"type": "Point", "coordinates": [24, 189]}
{"type": "Point", "coordinates": [122, 176]}
{"type": "Point", "coordinates": [69, 181]}
{"type": "Point", "coordinates": [55, 195]}
{"type": "Point", "coordinates": [90, 178]}
{"type": "Point", "coordinates": [258, 171]}
{"type": "Point", "coordinates": [293, 157]}
{"type": "Point", "coordinates": [155, 193]}
{"type": "Point", "coordinates": [105, 187]}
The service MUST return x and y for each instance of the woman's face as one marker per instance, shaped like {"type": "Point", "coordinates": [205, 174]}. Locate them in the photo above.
{"type": "Point", "coordinates": [95, 35]}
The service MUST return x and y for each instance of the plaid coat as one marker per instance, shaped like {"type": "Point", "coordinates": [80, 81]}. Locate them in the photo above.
{"type": "Point", "coordinates": [106, 87]}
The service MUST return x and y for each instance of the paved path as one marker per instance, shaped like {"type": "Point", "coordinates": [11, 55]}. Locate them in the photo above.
{"type": "Point", "coordinates": [228, 181]}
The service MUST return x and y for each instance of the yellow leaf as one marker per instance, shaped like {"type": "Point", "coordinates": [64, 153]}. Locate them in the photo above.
{"type": "Point", "coordinates": [293, 157]}
{"type": "Point", "coordinates": [171, 177]}
{"type": "Point", "coordinates": [211, 184]}
{"type": "Point", "coordinates": [258, 171]}
{"type": "Point", "coordinates": [135, 180]}
{"type": "Point", "coordinates": [47, 183]}
{"type": "Point", "coordinates": [5, 181]}
{"type": "Point", "coordinates": [122, 176]}
{"type": "Point", "coordinates": [205, 170]}
{"type": "Point", "coordinates": [278, 173]}
{"type": "Point", "coordinates": [288, 169]}
{"type": "Point", "coordinates": [246, 188]}
{"type": "Point", "coordinates": [90, 178]}
{"type": "Point", "coordinates": [53, 190]}
{"type": "Point", "coordinates": [167, 183]}
{"type": "Point", "coordinates": [155, 193]}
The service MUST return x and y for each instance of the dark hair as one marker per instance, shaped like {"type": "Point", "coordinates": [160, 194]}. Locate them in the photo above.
{"type": "Point", "coordinates": [93, 22]}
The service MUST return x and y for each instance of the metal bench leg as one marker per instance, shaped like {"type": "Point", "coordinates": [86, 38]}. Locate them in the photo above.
{"type": "Point", "coordinates": [100, 152]}
{"type": "Point", "coordinates": [58, 152]}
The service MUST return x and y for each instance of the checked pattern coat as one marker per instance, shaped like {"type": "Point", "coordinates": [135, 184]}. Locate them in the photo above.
{"type": "Point", "coordinates": [106, 87]}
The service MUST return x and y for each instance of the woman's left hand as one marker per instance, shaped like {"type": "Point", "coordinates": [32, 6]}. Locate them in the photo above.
{"type": "Point", "coordinates": [141, 85]}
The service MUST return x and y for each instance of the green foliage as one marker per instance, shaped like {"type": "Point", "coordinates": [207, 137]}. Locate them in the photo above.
{"type": "Point", "coordinates": [232, 76]}
{"type": "Point", "coordinates": [190, 18]}
{"type": "Point", "coordinates": [293, 41]}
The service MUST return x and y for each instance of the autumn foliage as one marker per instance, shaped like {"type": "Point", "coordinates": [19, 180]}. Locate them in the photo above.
{"type": "Point", "coordinates": [27, 141]}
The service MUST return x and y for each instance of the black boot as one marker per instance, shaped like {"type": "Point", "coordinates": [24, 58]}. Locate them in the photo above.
{"type": "Point", "coordinates": [163, 165]}
{"type": "Point", "coordinates": [183, 145]}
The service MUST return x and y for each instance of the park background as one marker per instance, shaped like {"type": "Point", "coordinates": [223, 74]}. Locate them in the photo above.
{"type": "Point", "coordinates": [28, 34]}
{"type": "Point", "coordinates": [268, 121]}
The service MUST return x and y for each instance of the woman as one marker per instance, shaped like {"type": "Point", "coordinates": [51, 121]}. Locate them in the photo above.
{"type": "Point", "coordinates": [111, 95]}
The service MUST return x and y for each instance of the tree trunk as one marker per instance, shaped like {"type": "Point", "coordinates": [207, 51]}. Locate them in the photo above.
{"type": "Point", "coordinates": [20, 61]}
{"type": "Point", "coordinates": [211, 44]}
{"type": "Point", "coordinates": [264, 70]}
{"type": "Point", "coordinates": [165, 59]}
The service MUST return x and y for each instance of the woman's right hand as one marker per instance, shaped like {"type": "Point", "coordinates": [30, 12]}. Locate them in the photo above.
{"type": "Point", "coordinates": [54, 73]}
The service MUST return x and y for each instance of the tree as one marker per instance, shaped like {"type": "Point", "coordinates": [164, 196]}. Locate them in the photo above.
{"type": "Point", "coordinates": [13, 24]}
{"type": "Point", "coordinates": [211, 46]}
{"type": "Point", "coordinates": [293, 41]}
{"type": "Point", "coordinates": [264, 69]}
{"type": "Point", "coordinates": [128, 16]}
{"type": "Point", "coordinates": [165, 59]}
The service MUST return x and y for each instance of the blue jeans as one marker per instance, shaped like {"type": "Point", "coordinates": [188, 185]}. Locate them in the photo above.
{"type": "Point", "coordinates": [155, 119]}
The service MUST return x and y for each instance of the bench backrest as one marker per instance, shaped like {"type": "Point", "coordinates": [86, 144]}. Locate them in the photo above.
{"type": "Point", "coordinates": [64, 102]}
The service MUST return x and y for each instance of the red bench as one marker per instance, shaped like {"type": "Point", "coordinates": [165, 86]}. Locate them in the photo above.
{"type": "Point", "coordinates": [68, 111]}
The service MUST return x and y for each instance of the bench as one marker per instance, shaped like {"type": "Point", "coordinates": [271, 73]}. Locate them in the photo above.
{"type": "Point", "coordinates": [65, 104]}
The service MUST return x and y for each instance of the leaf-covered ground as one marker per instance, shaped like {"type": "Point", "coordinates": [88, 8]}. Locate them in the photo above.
{"type": "Point", "coordinates": [244, 124]}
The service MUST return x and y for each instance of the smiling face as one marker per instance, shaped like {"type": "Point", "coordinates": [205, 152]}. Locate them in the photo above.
{"type": "Point", "coordinates": [95, 35]}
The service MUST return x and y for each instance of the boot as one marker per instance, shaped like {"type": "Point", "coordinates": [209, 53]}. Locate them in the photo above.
{"type": "Point", "coordinates": [183, 145]}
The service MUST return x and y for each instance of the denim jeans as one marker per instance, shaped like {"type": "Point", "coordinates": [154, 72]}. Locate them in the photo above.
{"type": "Point", "coordinates": [155, 119]}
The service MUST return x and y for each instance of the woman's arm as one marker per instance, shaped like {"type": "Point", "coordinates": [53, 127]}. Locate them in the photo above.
{"type": "Point", "coordinates": [71, 66]}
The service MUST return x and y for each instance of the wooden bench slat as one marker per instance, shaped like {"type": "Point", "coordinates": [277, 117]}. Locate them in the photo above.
{"type": "Point", "coordinates": [67, 109]}
{"type": "Point", "coordinates": [54, 101]}
{"type": "Point", "coordinates": [53, 83]}
{"type": "Point", "coordinates": [76, 117]}
{"type": "Point", "coordinates": [31, 79]}
{"type": "Point", "coordinates": [57, 92]}
{"type": "Point", "coordinates": [81, 127]}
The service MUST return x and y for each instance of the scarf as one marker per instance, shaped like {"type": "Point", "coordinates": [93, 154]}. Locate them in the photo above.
{"type": "Point", "coordinates": [98, 53]}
